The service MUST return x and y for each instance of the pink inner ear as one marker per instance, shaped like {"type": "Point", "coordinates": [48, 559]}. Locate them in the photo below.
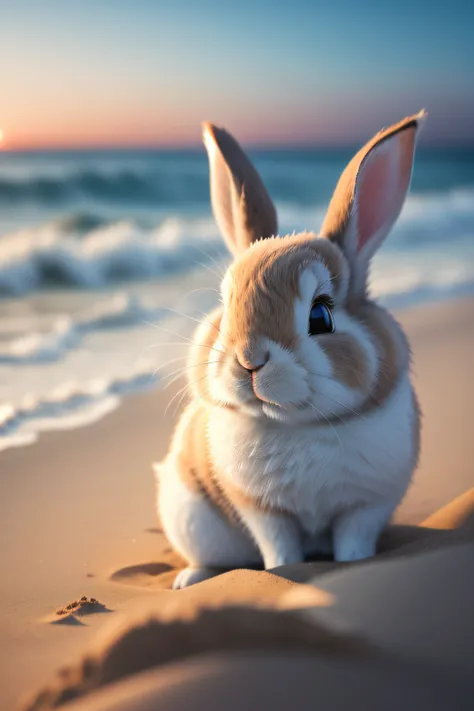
{"type": "Point", "coordinates": [383, 184]}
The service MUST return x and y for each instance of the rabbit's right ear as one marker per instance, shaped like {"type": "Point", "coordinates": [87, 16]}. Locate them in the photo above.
{"type": "Point", "coordinates": [370, 195]}
{"type": "Point", "coordinates": [241, 204]}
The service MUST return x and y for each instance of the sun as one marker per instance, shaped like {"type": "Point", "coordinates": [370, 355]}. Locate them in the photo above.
{"type": "Point", "coordinates": [2, 136]}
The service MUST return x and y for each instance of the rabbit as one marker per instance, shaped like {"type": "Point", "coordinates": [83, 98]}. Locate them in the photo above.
{"type": "Point", "coordinates": [303, 428]}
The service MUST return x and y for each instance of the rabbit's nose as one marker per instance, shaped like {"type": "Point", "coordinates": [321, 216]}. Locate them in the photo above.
{"type": "Point", "coordinates": [255, 364]}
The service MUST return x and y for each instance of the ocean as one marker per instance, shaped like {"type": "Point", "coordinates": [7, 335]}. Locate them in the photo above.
{"type": "Point", "coordinates": [108, 258]}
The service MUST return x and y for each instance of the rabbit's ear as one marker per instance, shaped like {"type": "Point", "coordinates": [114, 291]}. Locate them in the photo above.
{"type": "Point", "coordinates": [241, 205]}
{"type": "Point", "coordinates": [370, 195]}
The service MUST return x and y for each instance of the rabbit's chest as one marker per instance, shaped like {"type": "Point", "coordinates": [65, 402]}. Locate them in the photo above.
{"type": "Point", "coordinates": [317, 472]}
{"type": "Point", "coordinates": [302, 471]}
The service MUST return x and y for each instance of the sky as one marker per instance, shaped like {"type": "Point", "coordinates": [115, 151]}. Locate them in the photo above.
{"type": "Point", "coordinates": [130, 73]}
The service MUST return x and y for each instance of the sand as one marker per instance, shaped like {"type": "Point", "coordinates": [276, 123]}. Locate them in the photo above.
{"type": "Point", "coordinates": [77, 519]}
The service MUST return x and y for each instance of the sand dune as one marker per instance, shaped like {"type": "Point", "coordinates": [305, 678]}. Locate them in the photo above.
{"type": "Point", "coordinates": [413, 611]}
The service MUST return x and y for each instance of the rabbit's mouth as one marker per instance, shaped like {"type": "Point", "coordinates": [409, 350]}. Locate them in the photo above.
{"type": "Point", "coordinates": [258, 404]}
{"type": "Point", "coordinates": [278, 390]}
{"type": "Point", "coordinates": [275, 410]}
{"type": "Point", "coordinates": [290, 406]}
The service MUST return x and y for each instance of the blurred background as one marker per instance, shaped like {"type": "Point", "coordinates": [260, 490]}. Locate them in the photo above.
{"type": "Point", "coordinates": [106, 234]}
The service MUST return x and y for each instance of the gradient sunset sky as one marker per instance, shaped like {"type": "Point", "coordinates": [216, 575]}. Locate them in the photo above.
{"type": "Point", "coordinates": [143, 72]}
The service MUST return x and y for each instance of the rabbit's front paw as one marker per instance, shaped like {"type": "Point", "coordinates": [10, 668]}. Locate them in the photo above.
{"type": "Point", "coordinates": [355, 534]}
{"type": "Point", "coordinates": [190, 576]}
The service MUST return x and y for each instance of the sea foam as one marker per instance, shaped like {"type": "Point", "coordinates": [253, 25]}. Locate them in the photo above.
{"type": "Point", "coordinates": [53, 254]}
{"type": "Point", "coordinates": [120, 311]}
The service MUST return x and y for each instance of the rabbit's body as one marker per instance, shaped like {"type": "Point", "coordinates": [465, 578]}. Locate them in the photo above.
{"type": "Point", "coordinates": [317, 484]}
{"type": "Point", "coordinates": [317, 474]}
{"type": "Point", "coordinates": [303, 432]}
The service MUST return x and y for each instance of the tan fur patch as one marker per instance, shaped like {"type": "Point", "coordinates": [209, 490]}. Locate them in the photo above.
{"type": "Point", "coordinates": [348, 359]}
{"type": "Point", "coordinates": [194, 463]}
{"type": "Point", "coordinates": [195, 468]}
{"type": "Point", "coordinates": [241, 499]}
{"type": "Point", "coordinates": [335, 263]}
{"type": "Point", "coordinates": [190, 452]}
{"type": "Point", "coordinates": [265, 285]}
{"type": "Point", "coordinates": [393, 351]}
{"type": "Point", "coordinates": [393, 354]}
{"type": "Point", "coordinates": [203, 351]}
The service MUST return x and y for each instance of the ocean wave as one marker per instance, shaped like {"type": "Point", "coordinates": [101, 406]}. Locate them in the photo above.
{"type": "Point", "coordinates": [125, 185]}
{"type": "Point", "coordinates": [40, 258]}
{"type": "Point", "coordinates": [85, 251]}
{"type": "Point", "coordinates": [71, 405]}
{"type": "Point", "coordinates": [79, 223]}
{"type": "Point", "coordinates": [403, 280]}
{"type": "Point", "coordinates": [66, 332]}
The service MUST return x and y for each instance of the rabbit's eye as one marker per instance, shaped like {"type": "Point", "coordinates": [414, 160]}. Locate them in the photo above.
{"type": "Point", "coordinates": [320, 319]}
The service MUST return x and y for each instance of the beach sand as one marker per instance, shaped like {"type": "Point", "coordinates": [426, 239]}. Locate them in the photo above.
{"type": "Point", "coordinates": [77, 516]}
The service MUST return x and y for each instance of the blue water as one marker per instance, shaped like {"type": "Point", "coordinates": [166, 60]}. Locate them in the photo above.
{"type": "Point", "coordinates": [58, 199]}
{"type": "Point", "coordinates": [94, 246]}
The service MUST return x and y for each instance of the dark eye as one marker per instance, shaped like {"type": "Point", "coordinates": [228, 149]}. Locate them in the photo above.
{"type": "Point", "coordinates": [320, 319]}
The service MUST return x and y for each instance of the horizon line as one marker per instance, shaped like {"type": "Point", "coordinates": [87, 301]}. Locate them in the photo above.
{"type": "Point", "coordinates": [198, 146]}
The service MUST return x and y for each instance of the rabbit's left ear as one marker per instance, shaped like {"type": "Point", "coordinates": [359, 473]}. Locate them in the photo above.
{"type": "Point", "coordinates": [242, 207]}
{"type": "Point", "coordinates": [370, 195]}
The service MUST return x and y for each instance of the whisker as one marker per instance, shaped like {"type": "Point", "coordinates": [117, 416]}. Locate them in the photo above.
{"type": "Point", "coordinates": [209, 322]}
{"type": "Point", "coordinates": [178, 335]}
{"type": "Point", "coordinates": [338, 402]}
{"type": "Point", "coordinates": [174, 343]}
{"type": "Point", "coordinates": [211, 258]}
{"type": "Point", "coordinates": [206, 266]}
{"type": "Point", "coordinates": [185, 388]}
{"type": "Point", "coordinates": [342, 405]}
{"type": "Point", "coordinates": [329, 423]}
{"type": "Point", "coordinates": [321, 286]}
{"type": "Point", "coordinates": [203, 288]}
{"type": "Point", "coordinates": [173, 380]}
{"type": "Point", "coordinates": [321, 375]}
{"type": "Point", "coordinates": [180, 401]}
{"type": "Point", "coordinates": [184, 395]}
{"type": "Point", "coordinates": [182, 370]}
{"type": "Point", "coordinates": [170, 362]}
{"type": "Point", "coordinates": [191, 318]}
{"type": "Point", "coordinates": [167, 330]}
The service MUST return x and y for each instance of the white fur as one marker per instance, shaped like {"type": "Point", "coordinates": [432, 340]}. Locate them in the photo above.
{"type": "Point", "coordinates": [346, 482]}
{"type": "Point", "coordinates": [197, 530]}
{"type": "Point", "coordinates": [350, 478]}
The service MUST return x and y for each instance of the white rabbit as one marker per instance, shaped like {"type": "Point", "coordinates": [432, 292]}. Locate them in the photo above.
{"type": "Point", "coordinates": [303, 429]}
